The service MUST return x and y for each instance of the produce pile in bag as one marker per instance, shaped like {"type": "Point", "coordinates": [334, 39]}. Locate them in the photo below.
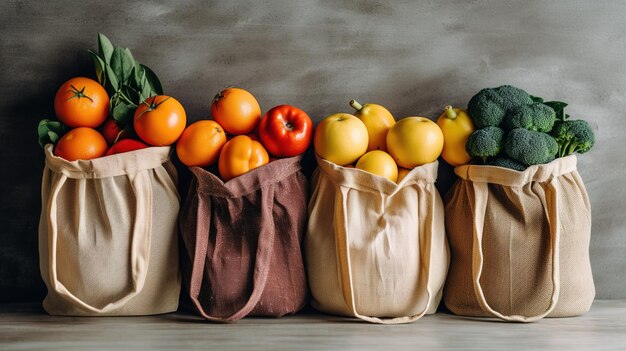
{"type": "Point", "coordinates": [108, 236]}
{"type": "Point", "coordinates": [376, 247]}
{"type": "Point", "coordinates": [518, 219]}
{"type": "Point", "coordinates": [243, 221]}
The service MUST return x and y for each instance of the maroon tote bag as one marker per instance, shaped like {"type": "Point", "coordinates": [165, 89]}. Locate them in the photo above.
{"type": "Point", "coordinates": [243, 242]}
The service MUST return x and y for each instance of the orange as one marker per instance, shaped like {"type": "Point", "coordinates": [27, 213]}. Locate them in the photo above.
{"type": "Point", "coordinates": [81, 143]}
{"type": "Point", "coordinates": [201, 143]}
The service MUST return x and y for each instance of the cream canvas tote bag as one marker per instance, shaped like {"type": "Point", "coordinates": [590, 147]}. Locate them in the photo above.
{"type": "Point", "coordinates": [108, 238]}
{"type": "Point", "coordinates": [375, 249]}
{"type": "Point", "coordinates": [519, 242]}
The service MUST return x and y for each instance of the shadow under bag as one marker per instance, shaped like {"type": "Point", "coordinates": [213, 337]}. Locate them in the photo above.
{"type": "Point", "coordinates": [376, 250]}
{"type": "Point", "coordinates": [519, 242]}
{"type": "Point", "coordinates": [108, 234]}
{"type": "Point", "coordinates": [243, 242]}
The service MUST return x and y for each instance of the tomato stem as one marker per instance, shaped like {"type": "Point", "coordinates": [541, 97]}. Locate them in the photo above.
{"type": "Point", "coordinates": [78, 93]}
{"type": "Point", "coordinates": [355, 105]}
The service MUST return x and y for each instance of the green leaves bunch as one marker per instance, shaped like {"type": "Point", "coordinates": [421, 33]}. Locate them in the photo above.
{"type": "Point", "coordinates": [128, 82]}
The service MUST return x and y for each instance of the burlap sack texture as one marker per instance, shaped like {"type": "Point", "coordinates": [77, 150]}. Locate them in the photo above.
{"type": "Point", "coordinates": [519, 242]}
{"type": "Point", "coordinates": [243, 242]}
{"type": "Point", "coordinates": [375, 249]}
{"type": "Point", "coordinates": [108, 234]}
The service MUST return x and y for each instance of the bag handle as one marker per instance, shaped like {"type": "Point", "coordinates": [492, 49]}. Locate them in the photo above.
{"type": "Point", "coordinates": [139, 250]}
{"type": "Point", "coordinates": [481, 193]}
{"type": "Point", "coordinates": [342, 241]}
{"type": "Point", "coordinates": [264, 251]}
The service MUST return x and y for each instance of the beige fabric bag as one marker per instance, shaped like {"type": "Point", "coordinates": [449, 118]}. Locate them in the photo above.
{"type": "Point", "coordinates": [519, 242]}
{"type": "Point", "coordinates": [108, 241]}
{"type": "Point", "coordinates": [376, 250]}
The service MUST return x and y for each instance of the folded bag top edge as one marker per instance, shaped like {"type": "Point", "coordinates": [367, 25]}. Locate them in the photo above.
{"type": "Point", "coordinates": [509, 177]}
{"type": "Point", "coordinates": [108, 166]}
{"type": "Point", "coordinates": [246, 183]}
{"type": "Point", "coordinates": [362, 180]}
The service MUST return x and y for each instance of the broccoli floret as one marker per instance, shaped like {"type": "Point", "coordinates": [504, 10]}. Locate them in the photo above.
{"type": "Point", "coordinates": [536, 116]}
{"type": "Point", "coordinates": [530, 147]}
{"type": "Point", "coordinates": [511, 96]}
{"type": "Point", "coordinates": [573, 136]}
{"type": "Point", "coordinates": [485, 142]}
{"type": "Point", "coordinates": [508, 163]}
{"type": "Point", "coordinates": [489, 106]}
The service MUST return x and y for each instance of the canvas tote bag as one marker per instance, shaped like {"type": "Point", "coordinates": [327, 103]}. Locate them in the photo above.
{"type": "Point", "coordinates": [108, 234]}
{"type": "Point", "coordinates": [243, 242]}
{"type": "Point", "coordinates": [375, 249]}
{"type": "Point", "coordinates": [519, 242]}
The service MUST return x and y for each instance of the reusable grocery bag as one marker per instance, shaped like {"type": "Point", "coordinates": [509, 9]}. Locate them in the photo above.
{"type": "Point", "coordinates": [375, 249]}
{"type": "Point", "coordinates": [519, 242]}
{"type": "Point", "coordinates": [108, 234]}
{"type": "Point", "coordinates": [243, 242]}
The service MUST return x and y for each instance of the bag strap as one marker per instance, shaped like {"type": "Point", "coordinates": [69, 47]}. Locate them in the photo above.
{"type": "Point", "coordinates": [139, 250]}
{"type": "Point", "coordinates": [263, 258]}
{"type": "Point", "coordinates": [342, 241]}
{"type": "Point", "coordinates": [481, 192]}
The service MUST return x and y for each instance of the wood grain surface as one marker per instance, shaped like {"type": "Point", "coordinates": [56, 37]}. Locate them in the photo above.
{"type": "Point", "coordinates": [24, 327]}
{"type": "Point", "coordinates": [413, 57]}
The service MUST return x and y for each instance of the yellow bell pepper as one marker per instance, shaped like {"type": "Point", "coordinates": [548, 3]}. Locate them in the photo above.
{"type": "Point", "coordinates": [456, 126]}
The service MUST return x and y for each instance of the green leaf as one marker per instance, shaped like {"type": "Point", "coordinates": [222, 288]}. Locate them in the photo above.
{"type": "Point", "coordinates": [123, 113]}
{"type": "Point", "coordinates": [558, 107]}
{"type": "Point", "coordinates": [105, 48]}
{"type": "Point", "coordinates": [114, 84]}
{"type": "Point", "coordinates": [49, 132]}
{"type": "Point", "coordinates": [536, 98]}
{"type": "Point", "coordinates": [128, 65]}
{"type": "Point", "coordinates": [54, 137]}
{"type": "Point", "coordinates": [100, 66]}
{"type": "Point", "coordinates": [121, 64]}
{"type": "Point", "coordinates": [132, 94]}
{"type": "Point", "coordinates": [146, 88]}
{"type": "Point", "coordinates": [157, 89]}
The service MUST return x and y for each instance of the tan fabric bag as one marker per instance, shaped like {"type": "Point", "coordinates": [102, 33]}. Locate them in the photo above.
{"type": "Point", "coordinates": [374, 249]}
{"type": "Point", "coordinates": [519, 242]}
{"type": "Point", "coordinates": [108, 241]}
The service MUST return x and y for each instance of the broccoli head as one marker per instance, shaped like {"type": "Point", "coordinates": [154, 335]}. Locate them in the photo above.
{"type": "Point", "coordinates": [489, 106]}
{"type": "Point", "coordinates": [530, 147]}
{"type": "Point", "coordinates": [573, 136]}
{"type": "Point", "coordinates": [536, 116]}
{"type": "Point", "coordinates": [485, 142]}
{"type": "Point", "coordinates": [507, 162]}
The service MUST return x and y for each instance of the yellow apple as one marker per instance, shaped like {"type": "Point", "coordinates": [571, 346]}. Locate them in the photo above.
{"type": "Point", "coordinates": [340, 138]}
{"type": "Point", "coordinates": [377, 120]}
{"type": "Point", "coordinates": [414, 141]}
{"type": "Point", "coordinates": [402, 172]}
{"type": "Point", "coordinates": [380, 163]}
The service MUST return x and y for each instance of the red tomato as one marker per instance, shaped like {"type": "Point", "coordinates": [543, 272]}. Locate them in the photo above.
{"type": "Point", "coordinates": [285, 131]}
{"type": "Point", "coordinates": [113, 132]}
{"type": "Point", "coordinates": [125, 145]}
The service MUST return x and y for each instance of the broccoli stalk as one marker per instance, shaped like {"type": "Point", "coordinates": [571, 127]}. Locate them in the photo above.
{"type": "Point", "coordinates": [573, 136]}
{"type": "Point", "coordinates": [484, 143]}
{"type": "Point", "coordinates": [530, 147]}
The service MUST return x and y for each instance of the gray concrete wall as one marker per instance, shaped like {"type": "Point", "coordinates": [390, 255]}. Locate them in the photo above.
{"type": "Point", "coordinates": [413, 57]}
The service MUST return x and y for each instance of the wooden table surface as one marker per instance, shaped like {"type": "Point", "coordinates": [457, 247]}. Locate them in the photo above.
{"type": "Point", "coordinates": [27, 327]}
